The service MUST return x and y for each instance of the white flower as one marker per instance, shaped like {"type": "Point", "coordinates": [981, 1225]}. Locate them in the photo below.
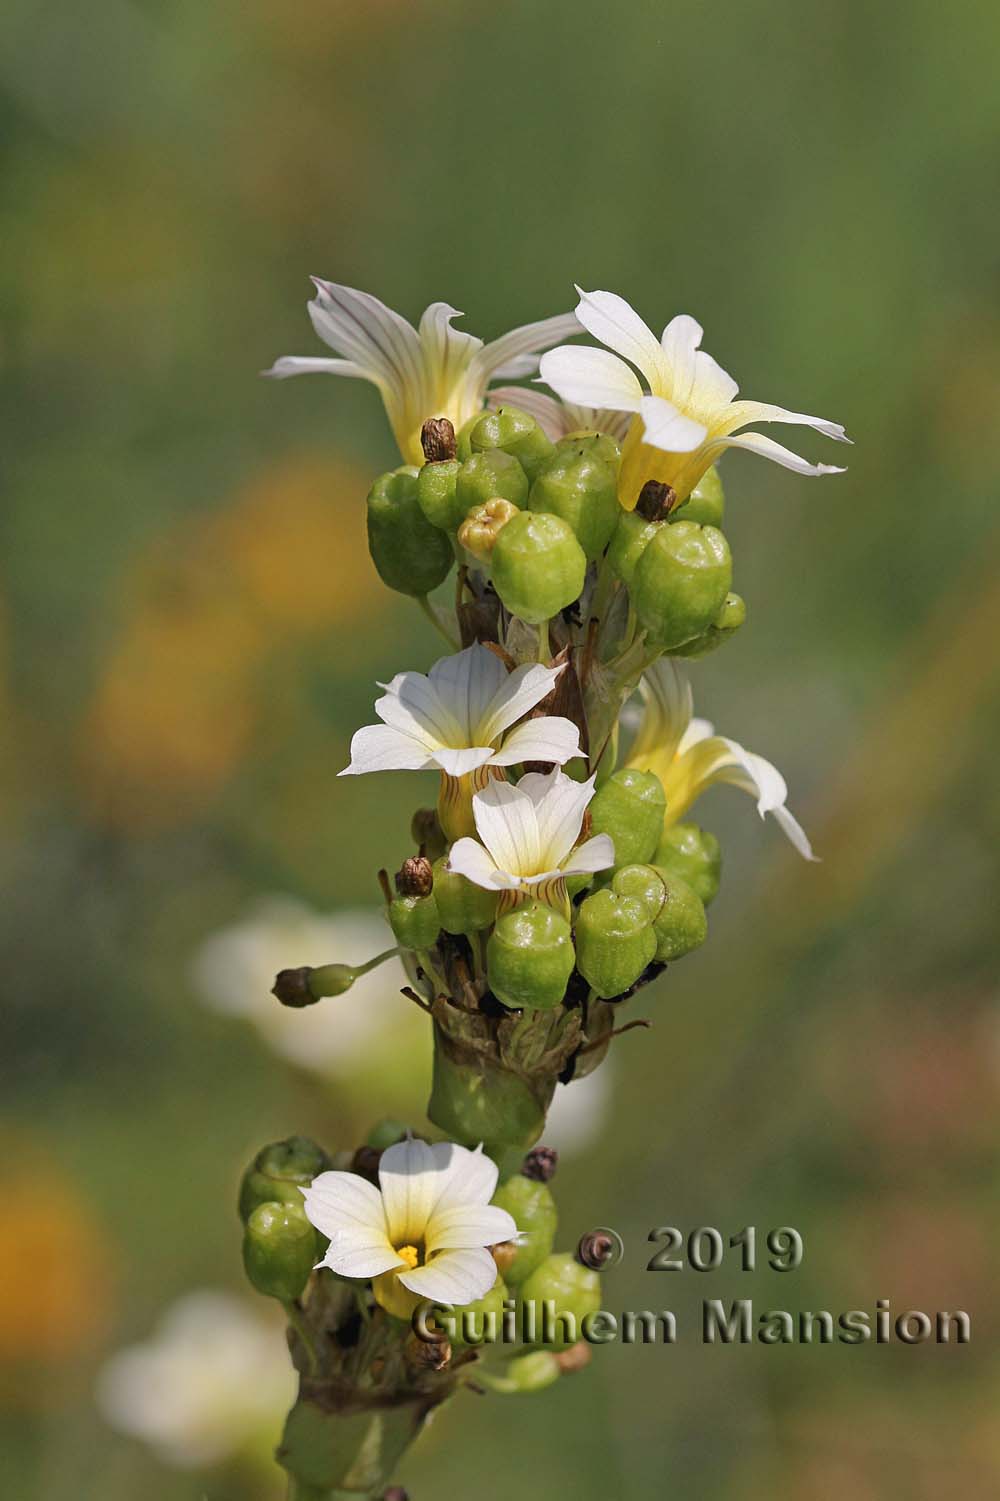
{"type": "Point", "coordinates": [579, 1112]}
{"type": "Point", "coordinates": [529, 838]}
{"type": "Point", "coordinates": [459, 716]}
{"type": "Point", "coordinates": [433, 371]}
{"type": "Point", "coordinates": [687, 416]}
{"type": "Point", "coordinates": [557, 419]}
{"type": "Point", "coordinates": [688, 756]}
{"type": "Point", "coordinates": [213, 1381]}
{"type": "Point", "coordinates": [427, 1226]}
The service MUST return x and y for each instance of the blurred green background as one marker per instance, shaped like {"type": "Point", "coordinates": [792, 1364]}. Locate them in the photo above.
{"type": "Point", "coordinates": [191, 629]}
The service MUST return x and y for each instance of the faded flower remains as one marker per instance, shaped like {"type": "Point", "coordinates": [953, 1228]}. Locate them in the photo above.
{"type": "Point", "coordinates": [556, 871]}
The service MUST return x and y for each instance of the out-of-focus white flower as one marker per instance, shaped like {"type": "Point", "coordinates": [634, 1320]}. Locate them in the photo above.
{"type": "Point", "coordinates": [580, 1110]}
{"type": "Point", "coordinates": [426, 1227]}
{"type": "Point", "coordinates": [235, 968]}
{"type": "Point", "coordinates": [558, 419]}
{"type": "Point", "coordinates": [430, 371]}
{"type": "Point", "coordinates": [688, 757]}
{"type": "Point", "coordinates": [688, 415]}
{"type": "Point", "coordinates": [213, 1381]}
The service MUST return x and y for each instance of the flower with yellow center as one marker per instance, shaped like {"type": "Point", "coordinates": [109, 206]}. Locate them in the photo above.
{"type": "Point", "coordinates": [430, 371]}
{"type": "Point", "coordinates": [688, 757]}
{"type": "Point", "coordinates": [422, 1233]}
{"type": "Point", "coordinates": [688, 415]}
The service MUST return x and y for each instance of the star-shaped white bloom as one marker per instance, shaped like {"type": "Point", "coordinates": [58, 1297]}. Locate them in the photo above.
{"type": "Point", "coordinates": [459, 717]}
{"type": "Point", "coordinates": [426, 1226]}
{"type": "Point", "coordinates": [688, 414]}
{"type": "Point", "coordinates": [430, 371]}
{"type": "Point", "coordinates": [558, 419]}
{"type": "Point", "coordinates": [529, 836]}
{"type": "Point", "coordinates": [688, 757]}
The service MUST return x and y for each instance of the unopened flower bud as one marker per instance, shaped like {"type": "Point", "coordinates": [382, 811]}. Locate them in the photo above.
{"type": "Point", "coordinates": [462, 906]}
{"type": "Point", "coordinates": [729, 619]}
{"type": "Point", "coordinates": [573, 1289]}
{"type": "Point", "coordinates": [540, 1164]}
{"type": "Point", "coordinates": [614, 942]}
{"type": "Point", "coordinates": [576, 1358]}
{"type": "Point", "coordinates": [538, 566]}
{"type": "Point", "coordinates": [679, 918]}
{"type": "Point", "coordinates": [707, 502]}
{"type": "Point", "coordinates": [631, 536]}
{"type": "Point", "coordinates": [489, 474]}
{"type": "Point", "coordinates": [533, 1210]}
{"type": "Point", "coordinates": [529, 957]}
{"type": "Point", "coordinates": [630, 808]}
{"type": "Point", "coordinates": [680, 583]}
{"type": "Point", "coordinates": [437, 494]}
{"type": "Point", "coordinates": [693, 854]}
{"type": "Point", "coordinates": [437, 439]}
{"type": "Point", "coordinates": [427, 834]}
{"type": "Point", "coordinates": [583, 491]}
{"type": "Point", "coordinates": [412, 556]}
{"type": "Point", "coordinates": [279, 1171]}
{"type": "Point", "coordinates": [279, 1250]}
{"type": "Point", "coordinates": [291, 986]}
{"type": "Point", "coordinates": [481, 528]}
{"type": "Point", "coordinates": [516, 433]}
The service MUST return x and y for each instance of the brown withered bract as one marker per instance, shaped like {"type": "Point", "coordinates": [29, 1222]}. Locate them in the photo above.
{"type": "Point", "coordinates": [415, 876]}
{"type": "Point", "coordinates": [656, 500]}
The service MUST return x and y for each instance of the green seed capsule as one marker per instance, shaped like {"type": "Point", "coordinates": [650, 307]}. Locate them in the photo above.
{"type": "Point", "coordinates": [532, 1372]}
{"type": "Point", "coordinates": [630, 807]}
{"type": "Point", "coordinates": [463, 438]}
{"type": "Point", "coordinates": [489, 474]}
{"type": "Point", "coordinates": [707, 502]}
{"type": "Point", "coordinates": [279, 1250]}
{"type": "Point", "coordinates": [677, 914]}
{"type": "Point", "coordinates": [571, 1289]}
{"type": "Point", "coordinates": [538, 566]}
{"type": "Point", "coordinates": [693, 854]}
{"type": "Point", "coordinates": [411, 555]}
{"type": "Point", "coordinates": [583, 490]}
{"type": "Point", "coordinates": [476, 1100]}
{"type": "Point", "coordinates": [529, 957]}
{"type": "Point", "coordinates": [415, 921]}
{"type": "Point", "coordinates": [681, 582]}
{"type": "Point", "coordinates": [614, 941]}
{"type": "Point", "coordinates": [598, 445]}
{"type": "Point", "coordinates": [474, 1323]}
{"type": "Point", "coordinates": [533, 1210]}
{"type": "Point", "coordinates": [278, 1171]}
{"type": "Point", "coordinates": [629, 539]}
{"type": "Point", "coordinates": [516, 433]}
{"type": "Point", "coordinates": [437, 494]}
{"type": "Point", "coordinates": [463, 907]}
{"type": "Point", "coordinates": [729, 619]}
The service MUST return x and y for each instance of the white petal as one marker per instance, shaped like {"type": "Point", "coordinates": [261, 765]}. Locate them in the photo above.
{"type": "Point", "coordinates": [367, 332]}
{"type": "Point", "coordinates": [615, 323]}
{"type": "Point", "coordinates": [529, 340]}
{"type": "Point", "coordinates": [666, 691]}
{"type": "Point", "coordinates": [518, 692]}
{"type": "Point", "coordinates": [464, 1176]}
{"type": "Point", "coordinates": [768, 449]}
{"type": "Point", "coordinates": [669, 429]}
{"type": "Point", "coordinates": [458, 763]}
{"type": "Point", "coordinates": [412, 704]}
{"type": "Point", "coordinates": [548, 738]}
{"type": "Point", "coordinates": [352, 1254]}
{"type": "Point", "coordinates": [560, 803]}
{"type": "Point", "coordinates": [595, 854]}
{"type": "Point", "coordinates": [697, 730]}
{"type": "Point", "coordinates": [467, 1225]}
{"type": "Point", "coordinates": [468, 858]}
{"type": "Point", "coordinates": [507, 825]}
{"type": "Point", "coordinates": [336, 1201]}
{"type": "Point", "coordinates": [714, 388]}
{"type": "Point", "coordinates": [546, 410]}
{"type": "Point", "coordinates": [453, 1277]}
{"type": "Point", "coordinates": [591, 377]}
{"type": "Point", "coordinates": [794, 832]}
{"type": "Point", "coordinates": [466, 684]}
{"type": "Point", "coordinates": [680, 341]}
{"type": "Point", "coordinates": [721, 760]}
{"type": "Point", "coordinates": [381, 747]}
{"type": "Point", "coordinates": [408, 1175]}
{"type": "Point", "coordinates": [302, 364]}
{"type": "Point", "coordinates": [447, 349]}
{"type": "Point", "coordinates": [763, 411]}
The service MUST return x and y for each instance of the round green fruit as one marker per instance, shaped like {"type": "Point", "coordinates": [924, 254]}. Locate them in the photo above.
{"type": "Point", "coordinates": [583, 490]}
{"type": "Point", "coordinates": [707, 502]}
{"type": "Point", "coordinates": [694, 855]}
{"type": "Point", "coordinates": [538, 566]}
{"type": "Point", "coordinates": [415, 921]}
{"type": "Point", "coordinates": [412, 556]}
{"type": "Point", "coordinates": [279, 1250]}
{"type": "Point", "coordinates": [463, 907]}
{"type": "Point", "coordinates": [529, 958]}
{"type": "Point", "coordinates": [615, 941]}
{"type": "Point", "coordinates": [278, 1172]}
{"type": "Point", "coordinates": [630, 807]}
{"type": "Point", "coordinates": [570, 1288]}
{"type": "Point", "coordinates": [681, 582]}
{"type": "Point", "coordinates": [533, 1210]}
{"type": "Point", "coordinates": [437, 493]}
{"type": "Point", "coordinates": [516, 433]}
{"type": "Point", "coordinates": [488, 475]}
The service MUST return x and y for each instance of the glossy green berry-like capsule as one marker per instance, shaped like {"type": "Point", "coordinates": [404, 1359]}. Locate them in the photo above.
{"type": "Point", "coordinates": [615, 941]}
{"type": "Point", "coordinates": [278, 1171]}
{"type": "Point", "coordinates": [487, 475]}
{"type": "Point", "coordinates": [412, 556]}
{"type": "Point", "coordinates": [629, 540]}
{"type": "Point", "coordinates": [728, 621]}
{"type": "Point", "coordinates": [643, 882]}
{"type": "Point", "coordinates": [707, 502]}
{"type": "Point", "coordinates": [529, 957]}
{"type": "Point", "coordinates": [598, 445]}
{"type": "Point", "coordinates": [463, 438]}
{"type": "Point", "coordinates": [583, 490]}
{"type": "Point", "coordinates": [533, 1210]}
{"type": "Point", "coordinates": [529, 1373]}
{"type": "Point", "coordinates": [516, 433]}
{"type": "Point", "coordinates": [463, 907]}
{"type": "Point", "coordinates": [630, 807]}
{"type": "Point", "coordinates": [693, 854]}
{"type": "Point", "coordinates": [415, 920]}
{"type": "Point", "coordinates": [279, 1250]}
{"type": "Point", "coordinates": [437, 494]}
{"type": "Point", "coordinates": [568, 1288]}
{"type": "Point", "coordinates": [538, 566]}
{"type": "Point", "coordinates": [475, 1323]}
{"type": "Point", "coordinates": [677, 914]}
{"type": "Point", "coordinates": [681, 582]}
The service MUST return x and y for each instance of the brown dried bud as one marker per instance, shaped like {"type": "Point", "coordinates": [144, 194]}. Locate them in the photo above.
{"type": "Point", "coordinates": [576, 1358]}
{"type": "Point", "coordinates": [415, 877]}
{"type": "Point", "coordinates": [503, 1254]}
{"type": "Point", "coordinates": [437, 439]}
{"type": "Point", "coordinates": [426, 1354]}
{"type": "Point", "coordinates": [596, 1249]}
{"type": "Point", "coordinates": [655, 500]}
{"type": "Point", "coordinates": [540, 1164]}
{"type": "Point", "coordinates": [365, 1163]}
{"type": "Point", "coordinates": [291, 987]}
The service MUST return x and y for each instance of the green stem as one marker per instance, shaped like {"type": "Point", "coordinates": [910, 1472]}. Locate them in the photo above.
{"type": "Point", "coordinates": [435, 619]}
{"type": "Point", "coordinates": [294, 1315]}
{"type": "Point", "coordinates": [362, 969]}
